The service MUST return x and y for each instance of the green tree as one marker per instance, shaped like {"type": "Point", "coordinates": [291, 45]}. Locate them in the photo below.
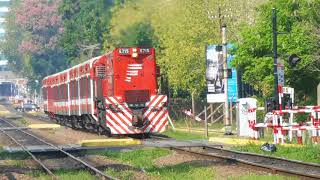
{"type": "Point", "coordinates": [300, 21]}
{"type": "Point", "coordinates": [178, 29]}
{"type": "Point", "coordinates": [85, 23]}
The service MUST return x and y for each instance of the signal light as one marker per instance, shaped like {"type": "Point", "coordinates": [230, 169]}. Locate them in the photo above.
{"type": "Point", "coordinates": [293, 60]}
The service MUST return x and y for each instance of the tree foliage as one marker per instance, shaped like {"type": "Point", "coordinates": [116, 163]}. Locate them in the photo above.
{"type": "Point", "coordinates": [84, 24]}
{"type": "Point", "coordinates": [178, 29]}
{"type": "Point", "coordinates": [299, 21]}
{"type": "Point", "coordinates": [32, 32]}
{"type": "Point", "coordinates": [45, 36]}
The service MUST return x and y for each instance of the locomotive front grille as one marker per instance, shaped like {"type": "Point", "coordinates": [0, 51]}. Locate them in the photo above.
{"type": "Point", "coordinates": [137, 96]}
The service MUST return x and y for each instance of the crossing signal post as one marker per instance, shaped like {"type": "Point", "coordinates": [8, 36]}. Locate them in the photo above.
{"type": "Point", "coordinates": [275, 54]}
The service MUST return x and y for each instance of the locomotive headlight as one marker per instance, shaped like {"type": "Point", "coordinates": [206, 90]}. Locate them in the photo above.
{"type": "Point", "coordinates": [134, 50]}
{"type": "Point", "coordinates": [134, 55]}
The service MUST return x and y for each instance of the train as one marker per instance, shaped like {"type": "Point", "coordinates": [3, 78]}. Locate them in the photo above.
{"type": "Point", "coordinates": [113, 94]}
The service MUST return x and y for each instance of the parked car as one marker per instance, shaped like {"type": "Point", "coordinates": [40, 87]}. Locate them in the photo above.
{"type": "Point", "coordinates": [27, 108]}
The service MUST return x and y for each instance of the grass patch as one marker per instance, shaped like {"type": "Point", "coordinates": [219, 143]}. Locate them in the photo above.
{"type": "Point", "coordinates": [24, 121]}
{"type": "Point", "coordinates": [182, 171]}
{"type": "Point", "coordinates": [141, 158]}
{"type": "Point", "coordinates": [182, 123]}
{"type": "Point", "coordinates": [18, 163]}
{"type": "Point", "coordinates": [263, 177]}
{"type": "Point", "coordinates": [303, 153]}
{"type": "Point", "coordinates": [179, 135]}
{"type": "Point", "coordinates": [124, 175]}
{"type": "Point", "coordinates": [65, 175]}
{"type": "Point", "coordinates": [15, 156]}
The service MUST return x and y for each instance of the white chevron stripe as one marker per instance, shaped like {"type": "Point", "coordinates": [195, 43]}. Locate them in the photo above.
{"type": "Point", "coordinates": [122, 125]}
{"type": "Point", "coordinates": [165, 118]}
{"type": "Point", "coordinates": [114, 101]}
{"type": "Point", "coordinates": [119, 128]}
{"type": "Point", "coordinates": [163, 127]}
{"type": "Point", "coordinates": [154, 120]}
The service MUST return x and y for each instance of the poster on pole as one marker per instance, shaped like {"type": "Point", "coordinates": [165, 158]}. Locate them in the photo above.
{"type": "Point", "coordinates": [214, 74]}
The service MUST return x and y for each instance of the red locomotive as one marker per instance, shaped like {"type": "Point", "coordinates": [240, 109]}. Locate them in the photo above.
{"type": "Point", "coordinates": [115, 93]}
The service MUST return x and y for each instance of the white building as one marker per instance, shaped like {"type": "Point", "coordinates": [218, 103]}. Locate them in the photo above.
{"type": "Point", "coordinates": [10, 84]}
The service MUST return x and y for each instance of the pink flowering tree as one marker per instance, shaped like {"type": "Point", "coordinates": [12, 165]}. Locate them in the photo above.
{"type": "Point", "coordinates": [42, 23]}
{"type": "Point", "coordinates": [33, 30]}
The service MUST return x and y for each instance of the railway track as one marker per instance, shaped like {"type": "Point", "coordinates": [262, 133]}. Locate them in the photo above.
{"type": "Point", "coordinates": [16, 136]}
{"type": "Point", "coordinates": [260, 162]}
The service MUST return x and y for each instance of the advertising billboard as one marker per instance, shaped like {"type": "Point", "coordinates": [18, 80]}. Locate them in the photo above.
{"type": "Point", "coordinates": [214, 76]}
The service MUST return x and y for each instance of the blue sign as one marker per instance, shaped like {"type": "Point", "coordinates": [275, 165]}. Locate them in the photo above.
{"type": "Point", "coordinates": [232, 82]}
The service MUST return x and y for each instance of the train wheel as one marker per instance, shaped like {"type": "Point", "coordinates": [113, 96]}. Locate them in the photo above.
{"type": "Point", "coordinates": [98, 129]}
{"type": "Point", "coordinates": [74, 122]}
{"type": "Point", "coordinates": [107, 132]}
{"type": "Point", "coordinates": [146, 135]}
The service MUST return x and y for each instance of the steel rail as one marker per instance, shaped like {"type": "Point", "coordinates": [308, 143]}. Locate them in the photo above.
{"type": "Point", "coordinates": [92, 168]}
{"type": "Point", "coordinates": [157, 136]}
{"type": "Point", "coordinates": [274, 170]}
{"type": "Point", "coordinates": [264, 156]}
{"type": "Point", "coordinates": [27, 151]}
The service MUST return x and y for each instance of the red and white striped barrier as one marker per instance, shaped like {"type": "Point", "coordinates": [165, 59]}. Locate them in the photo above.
{"type": "Point", "coordinates": [283, 129]}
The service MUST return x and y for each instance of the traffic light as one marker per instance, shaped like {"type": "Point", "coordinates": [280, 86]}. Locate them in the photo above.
{"type": "Point", "coordinates": [293, 60]}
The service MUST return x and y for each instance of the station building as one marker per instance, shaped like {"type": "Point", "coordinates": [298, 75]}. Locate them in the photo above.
{"type": "Point", "coordinates": [11, 85]}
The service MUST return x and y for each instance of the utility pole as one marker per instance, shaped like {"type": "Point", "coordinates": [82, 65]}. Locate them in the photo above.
{"type": "Point", "coordinates": [228, 130]}
{"type": "Point", "coordinates": [220, 22]}
{"type": "Point", "coordinates": [275, 55]}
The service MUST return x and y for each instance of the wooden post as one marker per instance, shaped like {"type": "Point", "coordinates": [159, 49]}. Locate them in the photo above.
{"type": "Point", "coordinates": [193, 108]}
{"type": "Point", "coordinates": [211, 111]}
{"type": "Point", "coordinates": [231, 113]}
{"type": "Point", "coordinates": [185, 120]}
{"type": "Point", "coordinates": [206, 122]}
{"type": "Point", "coordinates": [193, 105]}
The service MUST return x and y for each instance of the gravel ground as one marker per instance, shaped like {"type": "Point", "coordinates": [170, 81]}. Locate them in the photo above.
{"type": "Point", "coordinates": [5, 141]}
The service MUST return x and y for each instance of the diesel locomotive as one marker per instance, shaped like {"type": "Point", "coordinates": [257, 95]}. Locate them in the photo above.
{"type": "Point", "coordinates": [115, 93]}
